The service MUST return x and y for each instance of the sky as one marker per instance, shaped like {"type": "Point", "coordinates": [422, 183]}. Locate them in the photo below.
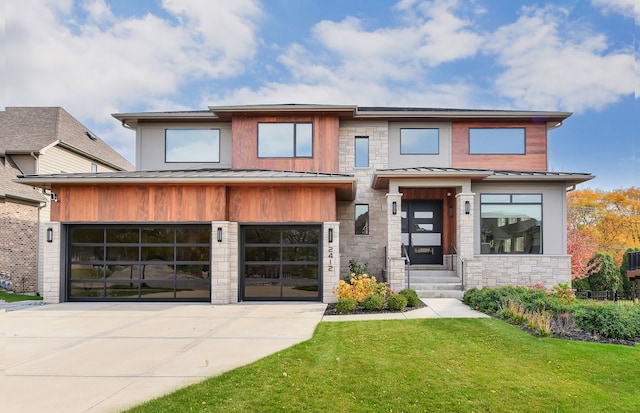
{"type": "Point", "coordinates": [99, 57]}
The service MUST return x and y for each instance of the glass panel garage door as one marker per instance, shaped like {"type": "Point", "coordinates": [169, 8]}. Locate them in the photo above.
{"type": "Point", "coordinates": [281, 263]}
{"type": "Point", "coordinates": [139, 263]}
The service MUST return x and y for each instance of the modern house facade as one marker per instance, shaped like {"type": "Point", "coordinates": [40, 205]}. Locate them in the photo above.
{"type": "Point", "coordinates": [39, 140]}
{"type": "Point", "coordinates": [271, 202]}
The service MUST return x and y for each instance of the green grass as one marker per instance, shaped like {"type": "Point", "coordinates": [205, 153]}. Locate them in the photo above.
{"type": "Point", "coordinates": [10, 298]}
{"type": "Point", "coordinates": [433, 365]}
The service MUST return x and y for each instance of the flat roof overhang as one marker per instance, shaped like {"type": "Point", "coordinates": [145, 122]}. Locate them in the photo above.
{"type": "Point", "coordinates": [382, 177]}
{"type": "Point", "coordinates": [344, 185]}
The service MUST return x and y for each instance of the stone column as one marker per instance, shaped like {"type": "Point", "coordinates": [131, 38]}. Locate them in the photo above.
{"type": "Point", "coordinates": [330, 260]}
{"type": "Point", "coordinates": [51, 275]}
{"type": "Point", "coordinates": [224, 263]}
{"type": "Point", "coordinates": [465, 233]}
{"type": "Point", "coordinates": [395, 261]}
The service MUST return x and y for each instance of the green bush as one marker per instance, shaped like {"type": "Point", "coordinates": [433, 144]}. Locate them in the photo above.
{"type": "Point", "coordinates": [345, 305]}
{"type": "Point", "coordinates": [373, 303]}
{"type": "Point", "coordinates": [607, 319]}
{"type": "Point", "coordinates": [606, 276]}
{"type": "Point", "coordinates": [412, 297]}
{"type": "Point", "coordinates": [489, 300]}
{"type": "Point", "coordinates": [397, 302]}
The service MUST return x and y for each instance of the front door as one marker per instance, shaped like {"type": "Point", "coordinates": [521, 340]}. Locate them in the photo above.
{"type": "Point", "coordinates": [422, 231]}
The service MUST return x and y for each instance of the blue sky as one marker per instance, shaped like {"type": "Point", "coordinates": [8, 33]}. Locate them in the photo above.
{"type": "Point", "coordinates": [97, 57]}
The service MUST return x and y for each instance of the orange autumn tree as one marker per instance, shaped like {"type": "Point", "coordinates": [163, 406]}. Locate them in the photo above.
{"type": "Point", "coordinates": [601, 221]}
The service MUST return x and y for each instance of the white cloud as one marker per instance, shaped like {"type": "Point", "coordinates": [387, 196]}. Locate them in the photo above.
{"type": "Point", "coordinates": [551, 64]}
{"type": "Point", "coordinates": [629, 8]}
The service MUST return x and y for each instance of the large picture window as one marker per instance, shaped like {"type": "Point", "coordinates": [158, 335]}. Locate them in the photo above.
{"type": "Point", "coordinates": [511, 223]}
{"type": "Point", "coordinates": [419, 141]}
{"type": "Point", "coordinates": [497, 141]}
{"type": "Point", "coordinates": [192, 145]}
{"type": "Point", "coordinates": [285, 140]}
{"type": "Point", "coordinates": [144, 263]}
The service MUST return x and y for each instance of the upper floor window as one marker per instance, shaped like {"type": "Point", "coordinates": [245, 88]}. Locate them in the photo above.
{"type": "Point", "coordinates": [511, 223]}
{"type": "Point", "coordinates": [94, 168]}
{"type": "Point", "coordinates": [192, 145]}
{"type": "Point", "coordinates": [497, 141]}
{"type": "Point", "coordinates": [362, 219]}
{"type": "Point", "coordinates": [362, 152]}
{"type": "Point", "coordinates": [285, 140]}
{"type": "Point", "coordinates": [420, 141]}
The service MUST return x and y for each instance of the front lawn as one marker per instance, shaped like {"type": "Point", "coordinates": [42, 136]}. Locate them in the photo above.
{"type": "Point", "coordinates": [10, 298]}
{"type": "Point", "coordinates": [446, 365]}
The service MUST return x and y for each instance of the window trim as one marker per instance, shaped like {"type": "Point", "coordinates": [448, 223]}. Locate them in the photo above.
{"type": "Point", "coordinates": [524, 141]}
{"type": "Point", "coordinates": [420, 153]}
{"type": "Point", "coordinates": [295, 140]}
{"type": "Point", "coordinates": [355, 158]}
{"type": "Point", "coordinates": [511, 202]}
{"type": "Point", "coordinates": [192, 129]}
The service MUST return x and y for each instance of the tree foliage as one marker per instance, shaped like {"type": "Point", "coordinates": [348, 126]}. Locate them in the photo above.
{"type": "Point", "coordinates": [602, 221]}
{"type": "Point", "coordinates": [606, 275]}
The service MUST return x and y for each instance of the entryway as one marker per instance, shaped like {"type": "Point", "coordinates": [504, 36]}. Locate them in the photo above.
{"type": "Point", "coordinates": [422, 227]}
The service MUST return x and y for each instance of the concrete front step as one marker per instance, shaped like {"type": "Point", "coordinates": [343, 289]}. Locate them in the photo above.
{"type": "Point", "coordinates": [441, 294]}
{"type": "Point", "coordinates": [434, 286]}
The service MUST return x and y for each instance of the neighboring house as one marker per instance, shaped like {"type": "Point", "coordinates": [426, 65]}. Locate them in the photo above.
{"type": "Point", "coordinates": [270, 202]}
{"type": "Point", "coordinates": [39, 140]}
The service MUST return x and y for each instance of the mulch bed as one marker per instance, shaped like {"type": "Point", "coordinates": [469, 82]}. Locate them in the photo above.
{"type": "Point", "coordinates": [331, 310]}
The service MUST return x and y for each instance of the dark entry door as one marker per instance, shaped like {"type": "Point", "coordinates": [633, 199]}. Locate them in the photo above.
{"type": "Point", "coordinates": [422, 231]}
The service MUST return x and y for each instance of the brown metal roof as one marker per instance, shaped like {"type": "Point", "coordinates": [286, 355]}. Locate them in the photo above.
{"type": "Point", "coordinates": [344, 184]}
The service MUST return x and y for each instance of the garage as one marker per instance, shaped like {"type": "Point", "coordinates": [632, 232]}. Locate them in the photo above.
{"type": "Point", "coordinates": [115, 262]}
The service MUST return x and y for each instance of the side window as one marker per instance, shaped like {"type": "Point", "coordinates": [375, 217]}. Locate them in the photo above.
{"type": "Point", "coordinates": [362, 219]}
{"type": "Point", "coordinates": [192, 145]}
{"type": "Point", "coordinates": [497, 141]}
{"type": "Point", "coordinates": [362, 152]}
{"type": "Point", "coordinates": [419, 141]}
{"type": "Point", "coordinates": [94, 168]}
{"type": "Point", "coordinates": [285, 140]}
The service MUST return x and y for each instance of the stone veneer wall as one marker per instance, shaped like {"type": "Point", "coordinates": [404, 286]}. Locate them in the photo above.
{"type": "Point", "coordinates": [521, 270]}
{"type": "Point", "coordinates": [18, 246]}
{"type": "Point", "coordinates": [364, 248]}
{"type": "Point", "coordinates": [330, 261]}
{"type": "Point", "coordinates": [224, 266]}
{"type": "Point", "coordinates": [52, 280]}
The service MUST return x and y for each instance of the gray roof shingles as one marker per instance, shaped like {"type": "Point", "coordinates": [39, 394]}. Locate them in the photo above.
{"type": "Point", "coordinates": [9, 188]}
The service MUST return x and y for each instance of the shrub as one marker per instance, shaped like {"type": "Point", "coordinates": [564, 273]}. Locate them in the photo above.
{"type": "Point", "coordinates": [489, 300]}
{"type": "Point", "coordinates": [397, 302]}
{"type": "Point", "coordinates": [606, 275]}
{"type": "Point", "coordinates": [564, 293]}
{"type": "Point", "coordinates": [359, 287]}
{"type": "Point", "coordinates": [608, 319]}
{"type": "Point", "coordinates": [356, 268]}
{"type": "Point", "coordinates": [373, 303]}
{"type": "Point", "coordinates": [412, 297]}
{"type": "Point", "coordinates": [346, 305]}
{"type": "Point", "coordinates": [540, 322]}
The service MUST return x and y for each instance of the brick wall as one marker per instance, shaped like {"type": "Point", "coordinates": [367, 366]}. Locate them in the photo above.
{"type": "Point", "coordinates": [18, 245]}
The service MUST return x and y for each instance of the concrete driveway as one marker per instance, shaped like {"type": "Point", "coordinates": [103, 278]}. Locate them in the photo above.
{"type": "Point", "coordinates": [99, 357]}
{"type": "Point", "coordinates": [106, 357]}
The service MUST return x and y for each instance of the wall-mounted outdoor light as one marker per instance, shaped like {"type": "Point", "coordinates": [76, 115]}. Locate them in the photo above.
{"type": "Point", "coordinates": [49, 234]}
{"type": "Point", "coordinates": [450, 212]}
{"type": "Point", "coordinates": [330, 235]}
{"type": "Point", "coordinates": [394, 207]}
{"type": "Point", "coordinates": [219, 234]}
{"type": "Point", "coordinates": [467, 207]}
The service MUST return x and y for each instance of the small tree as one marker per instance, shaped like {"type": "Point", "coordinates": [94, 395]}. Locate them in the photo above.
{"type": "Point", "coordinates": [607, 275]}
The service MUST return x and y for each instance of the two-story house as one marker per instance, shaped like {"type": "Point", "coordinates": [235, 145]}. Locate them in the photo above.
{"type": "Point", "coordinates": [271, 202]}
{"type": "Point", "coordinates": [39, 140]}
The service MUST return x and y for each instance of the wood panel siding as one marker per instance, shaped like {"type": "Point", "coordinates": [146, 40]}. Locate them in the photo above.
{"type": "Point", "coordinates": [117, 203]}
{"type": "Point", "coordinates": [282, 204]}
{"type": "Point", "coordinates": [448, 201]}
{"type": "Point", "coordinates": [534, 159]}
{"type": "Point", "coordinates": [325, 145]}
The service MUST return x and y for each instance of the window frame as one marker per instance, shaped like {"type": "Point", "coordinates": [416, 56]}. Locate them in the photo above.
{"type": "Point", "coordinates": [367, 226]}
{"type": "Point", "coordinates": [355, 160]}
{"type": "Point", "coordinates": [294, 140]}
{"type": "Point", "coordinates": [523, 202]}
{"type": "Point", "coordinates": [524, 140]}
{"type": "Point", "coordinates": [437, 152]}
{"type": "Point", "coordinates": [166, 147]}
